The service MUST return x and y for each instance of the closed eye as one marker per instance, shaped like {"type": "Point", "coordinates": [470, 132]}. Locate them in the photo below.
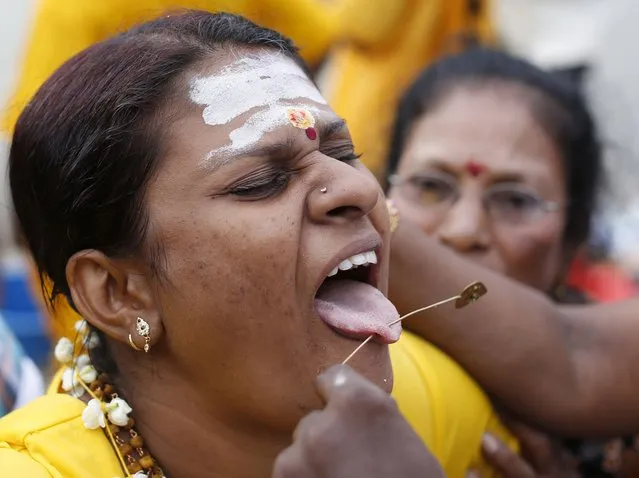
{"type": "Point", "coordinates": [349, 157]}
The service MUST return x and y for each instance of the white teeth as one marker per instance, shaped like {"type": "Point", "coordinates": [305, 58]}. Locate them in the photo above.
{"type": "Point", "coordinates": [361, 259]}
{"type": "Point", "coordinates": [345, 265]}
{"type": "Point", "coordinates": [372, 257]}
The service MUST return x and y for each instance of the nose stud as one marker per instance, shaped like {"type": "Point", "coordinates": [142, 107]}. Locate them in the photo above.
{"type": "Point", "coordinates": [324, 190]}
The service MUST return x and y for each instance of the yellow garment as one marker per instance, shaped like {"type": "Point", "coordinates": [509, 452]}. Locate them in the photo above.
{"type": "Point", "coordinates": [47, 438]}
{"type": "Point", "coordinates": [62, 29]}
{"type": "Point", "coordinates": [444, 406]}
{"type": "Point", "coordinates": [389, 43]}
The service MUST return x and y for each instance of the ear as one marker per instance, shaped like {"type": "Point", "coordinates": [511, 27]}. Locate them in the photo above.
{"type": "Point", "coordinates": [111, 294]}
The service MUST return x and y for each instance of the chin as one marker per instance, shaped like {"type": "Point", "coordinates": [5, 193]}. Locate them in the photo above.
{"type": "Point", "coordinates": [373, 362]}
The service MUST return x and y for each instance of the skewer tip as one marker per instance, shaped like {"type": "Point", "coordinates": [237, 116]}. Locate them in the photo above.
{"type": "Point", "coordinates": [470, 294]}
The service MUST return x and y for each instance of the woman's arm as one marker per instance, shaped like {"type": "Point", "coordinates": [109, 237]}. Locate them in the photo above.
{"type": "Point", "coordinates": [572, 370]}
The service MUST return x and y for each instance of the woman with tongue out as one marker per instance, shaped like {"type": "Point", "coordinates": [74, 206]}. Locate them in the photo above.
{"type": "Point", "coordinates": [185, 186]}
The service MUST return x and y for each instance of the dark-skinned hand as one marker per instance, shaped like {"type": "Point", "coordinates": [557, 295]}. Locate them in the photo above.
{"type": "Point", "coordinates": [360, 432]}
{"type": "Point", "coordinates": [541, 456]}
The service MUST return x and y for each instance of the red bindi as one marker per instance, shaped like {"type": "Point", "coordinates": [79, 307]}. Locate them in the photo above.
{"type": "Point", "coordinates": [475, 168]}
{"type": "Point", "coordinates": [311, 133]}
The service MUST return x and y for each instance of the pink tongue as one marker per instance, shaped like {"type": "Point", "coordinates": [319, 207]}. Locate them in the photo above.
{"type": "Point", "coordinates": [357, 310]}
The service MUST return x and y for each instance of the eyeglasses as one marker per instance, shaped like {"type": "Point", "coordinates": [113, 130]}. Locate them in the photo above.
{"type": "Point", "coordinates": [507, 203]}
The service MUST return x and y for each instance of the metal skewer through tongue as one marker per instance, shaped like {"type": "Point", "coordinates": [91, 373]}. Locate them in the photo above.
{"type": "Point", "coordinates": [470, 294]}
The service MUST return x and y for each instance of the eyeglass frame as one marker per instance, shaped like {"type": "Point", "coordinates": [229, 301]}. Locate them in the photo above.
{"type": "Point", "coordinates": [547, 206]}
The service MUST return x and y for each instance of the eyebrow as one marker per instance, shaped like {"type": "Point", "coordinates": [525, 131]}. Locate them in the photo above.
{"type": "Point", "coordinates": [497, 175]}
{"type": "Point", "coordinates": [324, 129]}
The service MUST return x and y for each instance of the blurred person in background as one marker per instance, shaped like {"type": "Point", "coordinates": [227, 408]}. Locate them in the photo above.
{"type": "Point", "coordinates": [499, 161]}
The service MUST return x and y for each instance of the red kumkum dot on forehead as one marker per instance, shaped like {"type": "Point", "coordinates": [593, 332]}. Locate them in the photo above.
{"type": "Point", "coordinates": [475, 168]}
{"type": "Point", "coordinates": [311, 133]}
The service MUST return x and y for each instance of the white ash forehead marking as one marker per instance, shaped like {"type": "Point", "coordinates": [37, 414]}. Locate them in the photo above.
{"type": "Point", "coordinates": [267, 83]}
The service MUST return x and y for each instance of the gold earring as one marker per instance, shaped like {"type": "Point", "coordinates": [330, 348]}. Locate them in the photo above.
{"type": "Point", "coordinates": [394, 215]}
{"type": "Point", "coordinates": [132, 344]}
{"type": "Point", "coordinates": [143, 328]}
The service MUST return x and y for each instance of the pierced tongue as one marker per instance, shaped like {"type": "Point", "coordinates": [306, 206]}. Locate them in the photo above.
{"type": "Point", "coordinates": [357, 310]}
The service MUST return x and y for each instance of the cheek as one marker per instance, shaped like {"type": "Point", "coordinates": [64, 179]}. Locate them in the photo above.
{"type": "Point", "coordinates": [225, 274]}
{"type": "Point", "coordinates": [533, 256]}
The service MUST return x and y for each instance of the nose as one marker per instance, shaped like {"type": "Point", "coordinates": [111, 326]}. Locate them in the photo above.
{"type": "Point", "coordinates": [464, 229]}
{"type": "Point", "coordinates": [342, 193]}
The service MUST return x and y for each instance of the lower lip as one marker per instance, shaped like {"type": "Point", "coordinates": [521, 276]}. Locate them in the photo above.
{"type": "Point", "coordinates": [353, 337]}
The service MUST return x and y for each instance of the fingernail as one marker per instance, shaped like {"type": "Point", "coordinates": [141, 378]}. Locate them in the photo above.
{"type": "Point", "coordinates": [472, 474]}
{"type": "Point", "coordinates": [340, 379]}
{"type": "Point", "coordinates": [489, 443]}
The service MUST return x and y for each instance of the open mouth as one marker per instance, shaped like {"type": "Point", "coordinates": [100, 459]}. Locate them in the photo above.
{"type": "Point", "coordinates": [350, 303]}
{"type": "Point", "coordinates": [361, 267]}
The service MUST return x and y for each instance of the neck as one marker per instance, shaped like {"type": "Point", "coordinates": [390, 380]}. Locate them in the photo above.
{"type": "Point", "coordinates": [190, 436]}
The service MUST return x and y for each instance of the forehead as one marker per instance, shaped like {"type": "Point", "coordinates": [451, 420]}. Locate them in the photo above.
{"type": "Point", "coordinates": [240, 103]}
{"type": "Point", "coordinates": [249, 80]}
{"type": "Point", "coordinates": [492, 124]}
{"type": "Point", "coordinates": [252, 93]}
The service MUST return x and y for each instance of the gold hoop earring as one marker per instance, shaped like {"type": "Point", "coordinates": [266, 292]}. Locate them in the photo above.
{"type": "Point", "coordinates": [143, 329]}
{"type": "Point", "coordinates": [132, 344]}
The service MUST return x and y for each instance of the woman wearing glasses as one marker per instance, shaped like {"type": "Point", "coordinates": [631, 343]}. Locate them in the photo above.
{"type": "Point", "coordinates": [498, 161]}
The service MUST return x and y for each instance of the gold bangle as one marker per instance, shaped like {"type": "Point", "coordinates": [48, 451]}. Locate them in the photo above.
{"type": "Point", "coordinates": [394, 215]}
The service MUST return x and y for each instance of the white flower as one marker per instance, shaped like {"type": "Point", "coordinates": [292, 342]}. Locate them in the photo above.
{"type": "Point", "coordinates": [64, 350]}
{"type": "Point", "coordinates": [81, 326]}
{"type": "Point", "coordinates": [88, 373]}
{"type": "Point", "coordinates": [92, 340]}
{"type": "Point", "coordinates": [82, 361]}
{"type": "Point", "coordinates": [70, 382]}
{"type": "Point", "coordinates": [93, 416]}
{"type": "Point", "coordinates": [67, 379]}
{"type": "Point", "coordinates": [118, 411]}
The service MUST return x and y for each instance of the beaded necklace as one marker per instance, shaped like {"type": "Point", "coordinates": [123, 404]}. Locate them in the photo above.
{"type": "Point", "coordinates": [105, 408]}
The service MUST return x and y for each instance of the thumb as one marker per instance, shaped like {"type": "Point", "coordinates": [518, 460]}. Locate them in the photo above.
{"type": "Point", "coordinates": [331, 380]}
{"type": "Point", "coordinates": [341, 385]}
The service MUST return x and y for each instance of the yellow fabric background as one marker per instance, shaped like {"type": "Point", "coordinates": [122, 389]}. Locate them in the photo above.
{"type": "Point", "coordinates": [387, 47]}
{"type": "Point", "coordinates": [62, 29]}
